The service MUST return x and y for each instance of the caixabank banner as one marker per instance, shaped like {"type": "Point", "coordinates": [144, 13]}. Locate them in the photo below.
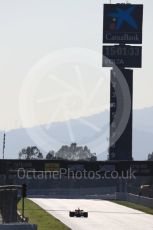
{"type": "Point", "coordinates": [122, 23]}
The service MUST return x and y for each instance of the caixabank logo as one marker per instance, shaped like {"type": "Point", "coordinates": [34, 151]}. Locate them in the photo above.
{"type": "Point", "coordinates": [123, 23]}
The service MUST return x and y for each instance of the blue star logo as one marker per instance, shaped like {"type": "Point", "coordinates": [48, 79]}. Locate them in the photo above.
{"type": "Point", "coordinates": [124, 16]}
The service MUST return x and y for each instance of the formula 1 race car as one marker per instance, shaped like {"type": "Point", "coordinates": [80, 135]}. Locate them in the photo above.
{"type": "Point", "coordinates": [78, 213]}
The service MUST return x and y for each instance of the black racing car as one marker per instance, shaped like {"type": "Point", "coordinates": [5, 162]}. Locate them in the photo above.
{"type": "Point", "coordinates": [78, 213]}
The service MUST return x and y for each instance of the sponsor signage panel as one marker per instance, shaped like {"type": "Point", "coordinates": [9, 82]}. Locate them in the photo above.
{"type": "Point", "coordinates": [106, 168]}
{"type": "Point", "coordinates": [142, 168]}
{"type": "Point", "coordinates": [122, 56]}
{"type": "Point", "coordinates": [52, 167]}
{"type": "Point", "coordinates": [122, 23]}
{"type": "Point", "coordinates": [76, 167]}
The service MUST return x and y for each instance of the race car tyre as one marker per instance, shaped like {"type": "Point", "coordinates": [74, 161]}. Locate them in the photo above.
{"type": "Point", "coordinates": [71, 214]}
{"type": "Point", "coordinates": [85, 214]}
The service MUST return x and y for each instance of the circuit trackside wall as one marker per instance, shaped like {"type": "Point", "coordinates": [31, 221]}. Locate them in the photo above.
{"type": "Point", "coordinates": [40, 184]}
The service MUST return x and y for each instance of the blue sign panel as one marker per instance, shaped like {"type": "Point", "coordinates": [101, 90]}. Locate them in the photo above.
{"type": "Point", "coordinates": [122, 23]}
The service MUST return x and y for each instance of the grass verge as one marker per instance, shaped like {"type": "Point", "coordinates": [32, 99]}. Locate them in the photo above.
{"type": "Point", "coordinates": [41, 218]}
{"type": "Point", "coordinates": [135, 206]}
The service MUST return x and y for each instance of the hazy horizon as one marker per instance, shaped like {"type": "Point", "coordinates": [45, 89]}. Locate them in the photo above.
{"type": "Point", "coordinates": [51, 62]}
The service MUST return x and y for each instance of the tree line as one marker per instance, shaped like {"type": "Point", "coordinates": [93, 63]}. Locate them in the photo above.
{"type": "Point", "coordinates": [72, 152]}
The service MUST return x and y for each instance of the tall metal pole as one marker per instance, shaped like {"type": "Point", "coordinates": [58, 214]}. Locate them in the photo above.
{"type": "Point", "coordinates": [120, 148]}
{"type": "Point", "coordinates": [4, 145]}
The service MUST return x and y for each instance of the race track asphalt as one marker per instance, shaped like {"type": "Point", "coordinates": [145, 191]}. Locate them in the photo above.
{"type": "Point", "coordinates": [103, 215]}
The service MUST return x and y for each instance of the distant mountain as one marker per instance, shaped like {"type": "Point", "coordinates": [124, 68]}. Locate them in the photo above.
{"type": "Point", "coordinates": [143, 119]}
{"type": "Point", "coordinates": [92, 131]}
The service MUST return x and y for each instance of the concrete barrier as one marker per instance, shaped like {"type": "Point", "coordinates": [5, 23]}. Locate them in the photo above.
{"type": "Point", "coordinates": [20, 226]}
{"type": "Point", "coordinates": [146, 201]}
{"type": "Point", "coordinates": [121, 196]}
{"type": "Point", "coordinates": [72, 191]}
